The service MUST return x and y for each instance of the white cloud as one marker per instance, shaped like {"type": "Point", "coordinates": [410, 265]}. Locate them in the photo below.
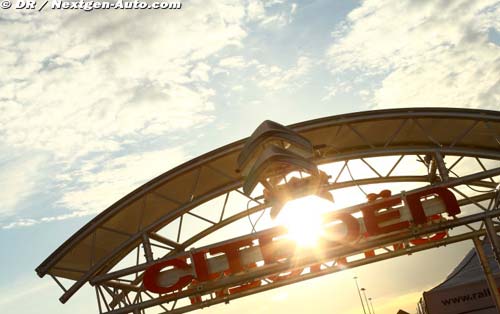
{"type": "Point", "coordinates": [73, 90]}
{"type": "Point", "coordinates": [28, 294]}
{"type": "Point", "coordinates": [237, 88]}
{"type": "Point", "coordinates": [256, 10]}
{"type": "Point", "coordinates": [271, 14]}
{"type": "Point", "coordinates": [236, 62]}
{"type": "Point", "coordinates": [431, 53]}
{"type": "Point", "coordinates": [98, 186]}
{"type": "Point", "coordinates": [18, 180]}
{"type": "Point", "coordinates": [274, 77]}
{"type": "Point", "coordinates": [201, 72]}
{"type": "Point", "coordinates": [20, 289]}
{"type": "Point", "coordinates": [268, 76]}
{"type": "Point", "coordinates": [100, 182]}
{"type": "Point", "coordinates": [23, 222]}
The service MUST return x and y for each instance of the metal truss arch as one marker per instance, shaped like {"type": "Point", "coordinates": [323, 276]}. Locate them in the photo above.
{"type": "Point", "coordinates": [449, 137]}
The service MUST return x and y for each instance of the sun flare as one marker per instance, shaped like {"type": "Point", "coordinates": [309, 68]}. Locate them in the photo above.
{"type": "Point", "coordinates": [302, 218]}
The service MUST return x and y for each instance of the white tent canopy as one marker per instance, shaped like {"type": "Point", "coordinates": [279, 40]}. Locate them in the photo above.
{"type": "Point", "coordinates": [465, 290]}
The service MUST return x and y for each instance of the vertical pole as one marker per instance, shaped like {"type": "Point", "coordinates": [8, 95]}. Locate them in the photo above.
{"type": "Point", "coordinates": [492, 285]}
{"type": "Point", "coordinates": [443, 172]}
{"type": "Point", "coordinates": [147, 247]}
{"type": "Point", "coordinates": [366, 300]}
{"type": "Point", "coordinates": [493, 237]}
{"type": "Point", "coordinates": [371, 304]}
{"type": "Point", "coordinates": [496, 203]}
{"type": "Point", "coordinates": [359, 293]}
{"type": "Point", "coordinates": [98, 300]}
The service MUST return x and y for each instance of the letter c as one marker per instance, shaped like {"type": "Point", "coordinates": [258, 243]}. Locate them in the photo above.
{"type": "Point", "coordinates": [151, 276]}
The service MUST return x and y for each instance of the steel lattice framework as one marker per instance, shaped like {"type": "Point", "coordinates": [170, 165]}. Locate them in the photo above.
{"type": "Point", "coordinates": [201, 202]}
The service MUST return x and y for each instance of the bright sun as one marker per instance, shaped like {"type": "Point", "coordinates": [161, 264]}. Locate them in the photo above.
{"type": "Point", "coordinates": [302, 218]}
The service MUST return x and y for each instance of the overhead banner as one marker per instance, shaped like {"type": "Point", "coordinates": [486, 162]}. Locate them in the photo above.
{"type": "Point", "coordinates": [242, 263]}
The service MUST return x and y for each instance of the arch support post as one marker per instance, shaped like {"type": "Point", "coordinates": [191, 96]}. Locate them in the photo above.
{"type": "Point", "coordinates": [493, 237]}
{"type": "Point", "coordinates": [492, 285]}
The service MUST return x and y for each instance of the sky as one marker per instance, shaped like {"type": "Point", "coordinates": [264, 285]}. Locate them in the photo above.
{"type": "Point", "coordinates": [94, 104]}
